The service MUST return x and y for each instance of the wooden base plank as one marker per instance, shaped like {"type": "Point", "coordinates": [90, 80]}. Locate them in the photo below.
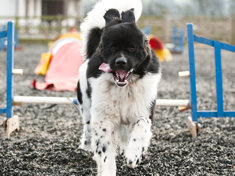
{"type": "Point", "coordinates": [193, 127]}
{"type": "Point", "coordinates": [11, 124]}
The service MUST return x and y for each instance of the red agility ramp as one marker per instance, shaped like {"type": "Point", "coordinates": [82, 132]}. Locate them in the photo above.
{"type": "Point", "coordinates": [62, 73]}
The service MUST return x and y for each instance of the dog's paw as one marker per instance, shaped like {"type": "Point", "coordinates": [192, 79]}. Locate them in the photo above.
{"type": "Point", "coordinates": [134, 156]}
{"type": "Point", "coordinates": [122, 150]}
{"type": "Point", "coordinates": [133, 162]}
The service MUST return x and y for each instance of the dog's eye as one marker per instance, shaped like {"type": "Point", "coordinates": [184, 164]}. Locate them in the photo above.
{"type": "Point", "coordinates": [114, 49]}
{"type": "Point", "coordinates": [131, 49]}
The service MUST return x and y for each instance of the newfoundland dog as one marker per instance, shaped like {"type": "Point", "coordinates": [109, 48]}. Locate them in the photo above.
{"type": "Point", "coordinates": [118, 83]}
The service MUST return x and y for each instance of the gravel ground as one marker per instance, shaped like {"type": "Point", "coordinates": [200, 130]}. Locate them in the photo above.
{"type": "Point", "coordinates": [48, 140]}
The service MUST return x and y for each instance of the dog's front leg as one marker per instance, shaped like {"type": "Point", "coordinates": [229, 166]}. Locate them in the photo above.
{"type": "Point", "coordinates": [85, 139]}
{"type": "Point", "coordinates": [139, 141]}
{"type": "Point", "coordinates": [102, 132]}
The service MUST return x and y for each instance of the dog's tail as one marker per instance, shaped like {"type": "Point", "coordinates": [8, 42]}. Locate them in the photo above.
{"type": "Point", "coordinates": [94, 23]}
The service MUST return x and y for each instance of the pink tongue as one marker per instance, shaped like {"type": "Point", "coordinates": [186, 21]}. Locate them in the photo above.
{"type": "Point", "coordinates": [122, 74]}
{"type": "Point", "coordinates": [105, 67]}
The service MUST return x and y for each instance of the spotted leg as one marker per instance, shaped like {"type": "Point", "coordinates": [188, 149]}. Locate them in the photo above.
{"type": "Point", "coordinates": [138, 142]}
{"type": "Point", "coordinates": [86, 135]}
{"type": "Point", "coordinates": [103, 147]}
{"type": "Point", "coordinates": [83, 97]}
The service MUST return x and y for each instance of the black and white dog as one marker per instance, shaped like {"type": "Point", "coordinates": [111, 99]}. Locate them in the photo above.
{"type": "Point", "coordinates": [118, 84]}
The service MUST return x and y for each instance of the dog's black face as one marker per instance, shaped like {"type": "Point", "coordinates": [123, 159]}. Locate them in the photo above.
{"type": "Point", "coordinates": [123, 46]}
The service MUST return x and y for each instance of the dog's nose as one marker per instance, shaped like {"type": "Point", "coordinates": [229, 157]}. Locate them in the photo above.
{"type": "Point", "coordinates": [121, 61]}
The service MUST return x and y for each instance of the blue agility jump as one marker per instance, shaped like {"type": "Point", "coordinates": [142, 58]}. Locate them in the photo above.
{"type": "Point", "coordinates": [218, 46]}
{"type": "Point", "coordinates": [9, 35]}
{"type": "Point", "coordinates": [11, 122]}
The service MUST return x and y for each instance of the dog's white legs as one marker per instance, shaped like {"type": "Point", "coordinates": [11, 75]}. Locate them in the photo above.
{"type": "Point", "coordinates": [123, 138]}
{"type": "Point", "coordinates": [86, 136]}
{"type": "Point", "coordinates": [138, 142]}
{"type": "Point", "coordinates": [103, 147]}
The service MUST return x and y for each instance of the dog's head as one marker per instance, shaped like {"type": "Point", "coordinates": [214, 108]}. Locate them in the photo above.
{"type": "Point", "coordinates": [123, 46]}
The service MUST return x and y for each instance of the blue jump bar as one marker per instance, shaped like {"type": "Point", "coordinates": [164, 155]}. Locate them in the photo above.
{"type": "Point", "coordinates": [219, 81]}
{"type": "Point", "coordinates": [209, 42]}
{"type": "Point", "coordinates": [208, 114]}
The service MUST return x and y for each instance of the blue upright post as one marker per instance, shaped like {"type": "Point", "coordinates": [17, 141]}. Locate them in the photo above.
{"type": "Point", "coordinates": [193, 90]}
{"type": "Point", "coordinates": [10, 56]}
{"type": "Point", "coordinates": [219, 82]}
{"type": "Point", "coordinates": [181, 40]}
{"type": "Point", "coordinates": [16, 42]}
{"type": "Point", "coordinates": [178, 40]}
{"type": "Point", "coordinates": [174, 37]}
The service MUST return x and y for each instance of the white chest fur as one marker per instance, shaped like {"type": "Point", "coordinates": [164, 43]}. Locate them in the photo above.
{"type": "Point", "coordinates": [123, 104]}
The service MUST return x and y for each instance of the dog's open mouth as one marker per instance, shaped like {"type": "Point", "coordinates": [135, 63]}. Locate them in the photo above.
{"type": "Point", "coordinates": [121, 77]}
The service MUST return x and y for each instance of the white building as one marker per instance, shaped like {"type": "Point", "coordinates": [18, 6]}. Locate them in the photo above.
{"type": "Point", "coordinates": [30, 11]}
{"type": "Point", "coordinates": [30, 8]}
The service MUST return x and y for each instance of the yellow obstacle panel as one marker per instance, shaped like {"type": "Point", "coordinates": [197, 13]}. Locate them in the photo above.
{"type": "Point", "coordinates": [42, 67]}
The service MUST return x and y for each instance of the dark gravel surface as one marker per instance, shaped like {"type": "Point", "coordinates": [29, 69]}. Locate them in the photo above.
{"type": "Point", "coordinates": [48, 140]}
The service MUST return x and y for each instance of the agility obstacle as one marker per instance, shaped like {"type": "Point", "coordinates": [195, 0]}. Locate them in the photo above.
{"type": "Point", "coordinates": [218, 46]}
{"type": "Point", "coordinates": [11, 122]}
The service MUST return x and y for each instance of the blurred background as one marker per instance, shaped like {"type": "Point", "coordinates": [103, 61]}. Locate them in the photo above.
{"type": "Point", "coordinates": [43, 20]}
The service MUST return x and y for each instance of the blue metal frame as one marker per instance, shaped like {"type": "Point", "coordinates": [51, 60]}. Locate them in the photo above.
{"type": "Point", "coordinates": [9, 34]}
{"type": "Point", "coordinates": [147, 30]}
{"type": "Point", "coordinates": [218, 70]}
{"type": "Point", "coordinates": [2, 40]}
{"type": "Point", "coordinates": [178, 40]}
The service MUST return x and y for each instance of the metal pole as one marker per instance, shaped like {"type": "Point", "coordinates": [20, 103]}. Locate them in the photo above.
{"type": "Point", "coordinates": [10, 65]}
{"type": "Point", "coordinates": [193, 90]}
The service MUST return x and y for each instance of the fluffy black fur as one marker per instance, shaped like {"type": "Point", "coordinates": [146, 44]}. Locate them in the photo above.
{"type": "Point", "coordinates": [93, 41]}
{"type": "Point", "coordinates": [120, 35]}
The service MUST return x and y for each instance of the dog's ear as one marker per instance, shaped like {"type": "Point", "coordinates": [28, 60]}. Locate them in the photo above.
{"type": "Point", "coordinates": [128, 16]}
{"type": "Point", "coordinates": [147, 56]}
{"type": "Point", "coordinates": [112, 17]}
